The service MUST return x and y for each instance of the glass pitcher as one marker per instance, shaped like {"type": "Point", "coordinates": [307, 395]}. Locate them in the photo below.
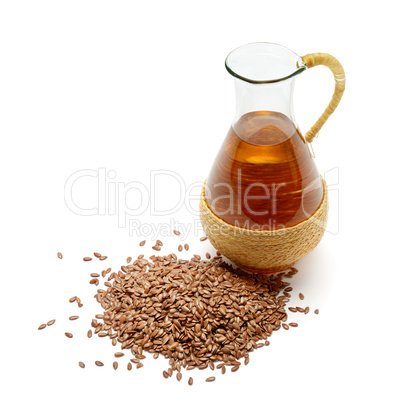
{"type": "Point", "coordinates": [264, 177]}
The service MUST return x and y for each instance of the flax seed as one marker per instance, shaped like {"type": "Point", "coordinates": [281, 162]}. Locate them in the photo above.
{"type": "Point", "coordinates": [306, 310]}
{"type": "Point", "coordinates": [285, 326]}
{"type": "Point", "coordinates": [99, 364]}
{"type": "Point", "coordinates": [316, 311]}
{"type": "Point", "coordinates": [42, 326]}
{"type": "Point", "coordinates": [51, 322]}
{"type": "Point", "coordinates": [81, 364]}
{"type": "Point", "coordinates": [210, 379]}
{"type": "Point", "coordinates": [186, 247]}
{"type": "Point", "coordinates": [73, 299]}
{"type": "Point", "coordinates": [301, 296]}
{"type": "Point", "coordinates": [89, 334]}
{"type": "Point", "coordinates": [97, 255]}
{"type": "Point", "coordinates": [203, 238]}
{"type": "Point", "coordinates": [115, 365]}
{"type": "Point", "coordinates": [87, 258]}
{"type": "Point", "coordinates": [73, 317]}
{"type": "Point", "coordinates": [293, 324]}
{"type": "Point", "coordinates": [143, 243]}
{"type": "Point", "coordinates": [179, 376]}
{"type": "Point", "coordinates": [103, 257]}
{"type": "Point", "coordinates": [190, 381]}
{"type": "Point", "coordinates": [68, 334]}
{"type": "Point", "coordinates": [95, 275]}
{"type": "Point", "coordinates": [176, 232]}
{"type": "Point", "coordinates": [165, 374]}
{"type": "Point", "coordinates": [118, 354]}
{"type": "Point", "coordinates": [180, 248]}
{"type": "Point", "coordinates": [129, 366]}
{"type": "Point", "coordinates": [60, 255]}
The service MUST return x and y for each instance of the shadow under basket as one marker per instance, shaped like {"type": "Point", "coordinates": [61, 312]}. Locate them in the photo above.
{"type": "Point", "coordinates": [265, 251]}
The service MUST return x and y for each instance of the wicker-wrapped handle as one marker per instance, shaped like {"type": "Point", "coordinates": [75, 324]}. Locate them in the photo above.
{"type": "Point", "coordinates": [324, 59]}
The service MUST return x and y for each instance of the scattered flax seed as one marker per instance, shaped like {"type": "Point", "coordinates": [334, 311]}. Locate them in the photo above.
{"type": "Point", "coordinates": [179, 376]}
{"type": "Point", "coordinates": [156, 248]}
{"type": "Point", "coordinates": [159, 243]}
{"type": "Point", "coordinates": [97, 255]}
{"type": "Point", "coordinates": [103, 257]}
{"type": "Point", "coordinates": [143, 243]}
{"type": "Point", "coordinates": [115, 365]}
{"type": "Point", "coordinates": [204, 238]}
{"type": "Point", "coordinates": [288, 289]}
{"type": "Point", "coordinates": [293, 324]}
{"type": "Point", "coordinates": [246, 360]}
{"type": "Point", "coordinates": [87, 258]}
{"type": "Point", "coordinates": [139, 365]}
{"type": "Point", "coordinates": [306, 310]}
{"type": "Point", "coordinates": [94, 282]}
{"type": "Point", "coordinates": [176, 232]}
{"type": "Point", "coordinates": [267, 343]}
{"type": "Point", "coordinates": [68, 335]}
{"type": "Point", "coordinates": [234, 368]}
{"type": "Point", "coordinates": [60, 255]}
{"type": "Point", "coordinates": [73, 317]}
{"type": "Point", "coordinates": [99, 364]}
{"type": "Point", "coordinates": [129, 366]}
{"type": "Point", "coordinates": [293, 309]}
{"type": "Point", "coordinates": [218, 253]}
{"type": "Point", "coordinates": [223, 370]}
{"type": "Point", "coordinates": [210, 379]}
{"type": "Point", "coordinates": [208, 256]}
{"type": "Point", "coordinates": [186, 247]}
{"type": "Point", "coordinates": [118, 354]}
{"type": "Point", "coordinates": [190, 381]}
{"type": "Point", "coordinates": [89, 334]}
{"type": "Point", "coordinates": [316, 311]}
{"type": "Point", "coordinates": [108, 270]}
{"type": "Point", "coordinates": [180, 248]}
{"type": "Point", "coordinates": [114, 342]}
{"type": "Point", "coordinates": [94, 275]}
{"type": "Point", "coordinates": [156, 355]}
{"type": "Point", "coordinates": [165, 374]}
{"type": "Point", "coordinates": [103, 273]}
{"type": "Point", "coordinates": [80, 305]}
{"type": "Point", "coordinates": [42, 326]}
{"type": "Point", "coordinates": [300, 309]}
{"type": "Point", "coordinates": [51, 322]}
{"type": "Point", "coordinates": [128, 260]}
{"type": "Point", "coordinates": [81, 364]}
{"type": "Point", "coordinates": [285, 326]}
{"type": "Point", "coordinates": [301, 296]}
{"type": "Point", "coordinates": [73, 299]}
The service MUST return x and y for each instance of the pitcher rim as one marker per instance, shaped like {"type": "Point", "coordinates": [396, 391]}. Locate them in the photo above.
{"type": "Point", "coordinates": [302, 66]}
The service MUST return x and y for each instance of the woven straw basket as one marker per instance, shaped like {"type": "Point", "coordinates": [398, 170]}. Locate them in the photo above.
{"type": "Point", "coordinates": [277, 250]}
{"type": "Point", "coordinates": [265, 251]}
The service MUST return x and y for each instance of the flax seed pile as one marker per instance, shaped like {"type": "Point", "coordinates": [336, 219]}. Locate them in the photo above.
{"type": "Point", "coordinates": [196, 313]}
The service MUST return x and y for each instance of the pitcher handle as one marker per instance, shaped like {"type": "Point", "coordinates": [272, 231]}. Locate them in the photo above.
{"type": "Point", "coordinates": [324, 59]}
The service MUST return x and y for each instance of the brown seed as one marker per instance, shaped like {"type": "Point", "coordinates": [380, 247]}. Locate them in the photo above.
{"type": "Point", "coordinates": [285, 326]}
{"type": "Point", "coordinates": [316, 311]}
{"type": "Point", "coordinates": [94, 281]}
{"type": "Point", "coordinates": [179, 376]}
{"type": "Point", "coordinates": [87, 258]}
{"type": "Point", "coordinates": [246, 360]}
{"type": "Point", "coordinates": [159, 243]}
{"type": "Point", "coordinates": [73, 299]}
{"type": "Point", "coordinates": [128, 260]}
{"type": "Point", "coordinates": [306, 310]}
{"type": "Point", "coordinates": [114, 342]}
{"type": "Point", "coordinates": [80, 305]}
{"type": "Point", "coordinates": [207, 255]}
{"type": "Point", "coordinates": [293, 309]}
{"type": "Point", "coordinates": [143, 243]}
{"type": "Point", "coordinates": [165, 374]}
{"type": "Point", "coordinates": [234, 368]}
{"type": "Point", "coordinates": [157, 248]}
{"type": "Point", "coordinates": [89, 334]}
{"type": "Point", "coordinates": [51, 322]}
{"type": "Point", "coordinates": [301, 296]}
{"type": "Point", "coordinates": [293, 324]}
{"type": "Point", "coordinates": [156, 355]}
{"type": "Point", "coordinates": [223, 370]}
{"type": "Point", "coordinates": [68, 334]}
{"type": "Point", "coordinates": [139, 365]}
{"type": "Point", "coordinates": [97, 255]}
{"type": "Point", "coordinates": [103, 257]}
{"type": "Point", "coordinates": [73, 317]}
{"type": "Point", "coordinates": [115, 365]}
{"type": "Point", "coordinates": [60, 255]}
{"type": "Point", "coordinates": [300, 309]}
{"type": "Point", "coordinates": [42, 326]}
{"type": "Point", "coordinates": [99, 364]}
{"type": "Point", "coordinates": [81, 364]}
{"type": "Point", "coordinates": [95, 275]}
{"type": "Point", "coordinates": [186, 247]}
{"type": "Point", "coordinates": [203, 238]}
{"type": "Point", "coordinates": [129, 366]}
{"type": "Point", "coordinates": [190, 381]}
{"type": "Point", "coordinates": [210, 379]}
{"type": "Point", "coordinates": [176, 232]}
{"type": "Point", "coordinates": [180, 248]}
{"type": "Point", "coordinates": [118, 354]}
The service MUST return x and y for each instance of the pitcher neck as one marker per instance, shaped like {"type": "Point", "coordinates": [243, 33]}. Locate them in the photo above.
{"type": "Point", "coordinates": [273, 97]}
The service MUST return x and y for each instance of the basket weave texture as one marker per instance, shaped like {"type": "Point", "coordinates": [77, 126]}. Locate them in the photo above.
{"type": "Point", "coordinates": [265, 251]}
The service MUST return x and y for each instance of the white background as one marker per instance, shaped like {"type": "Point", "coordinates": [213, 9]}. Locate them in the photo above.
{"type": "Point", "coordinates": [135, 87]}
